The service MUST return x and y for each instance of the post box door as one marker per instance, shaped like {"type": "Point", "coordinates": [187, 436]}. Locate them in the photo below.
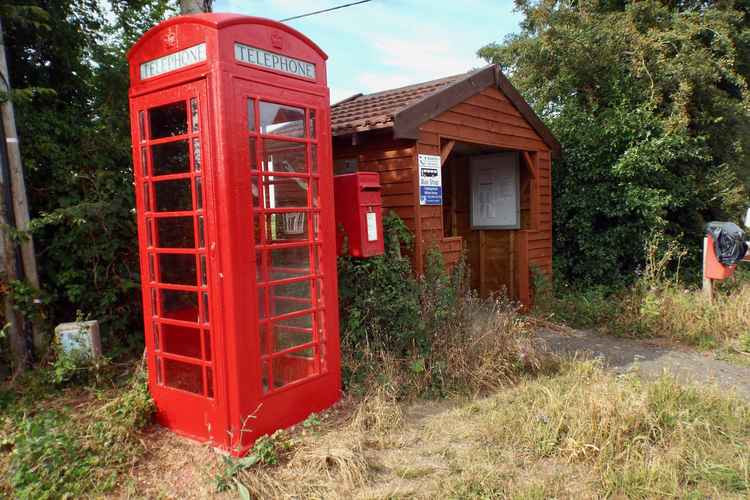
{"type": "Point", "coordinates": [292, 218]}
{"type": "Point", "coordinates": [169, 137]}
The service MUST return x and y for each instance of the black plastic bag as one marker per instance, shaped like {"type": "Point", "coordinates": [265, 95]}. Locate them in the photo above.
{"type": "Point", "coordinates": [729, 241]}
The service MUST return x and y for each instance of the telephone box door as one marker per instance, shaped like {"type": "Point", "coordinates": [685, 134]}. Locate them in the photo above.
{"type": "Point", "coordinates": [294, 247]}
{"type": "Point", "coordinates": [171, 173]}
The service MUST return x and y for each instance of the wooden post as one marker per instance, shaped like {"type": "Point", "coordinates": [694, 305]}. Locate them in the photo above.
{"type": "Point", "coordinates": [708, 283]}
{"type": "Point", "coordinates": [18, 192]}
{"type": "Point", "coordinates": [482, 263]}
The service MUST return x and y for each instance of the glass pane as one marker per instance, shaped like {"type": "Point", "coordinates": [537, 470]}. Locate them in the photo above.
{"type": "Point", "coordinates": [144, 162]}
{"type": "Point", "coordinates": [282, 120]}
{"type": "Point", "coordinates": [257, 231]}
{"type": "Point", "coordinates": [285, 227]}
{"type": "Point", "coordinates": [289, 262]}
{"type": "Point", "coordinates": [175, 232]}
{"type": "Point", "coordinates": [154, 309]}
{"type": "Point", "coordinates": [290, 298]}
{"type": "Point", "coordinates": [262, 303]}
{"type": "Point", "coordinates": [146, 198]}
{"type": "Point", "coordinates": [198, 194]}
{"type": "Point", "coordinates": [181, 340]}
{"type": "Point", "coordinates": [201, 233]}
{"type": "Point", "coordinates": [197, 155]}
{"type": "Point", "coordinates": [177, 269]}
{"type": "Point", "coordinates": [265, 340]}
{"type": "Point", "coordinates": [284, 156]}
{"type": "Point", "coordinates": [260, 274]}
{"type": "Point", "coordinates": [265, 375]}
{"type": "Point", "coordinates": [168, 120]}
{"type": "Point", "coordinates": [284, 192]}
{"type": "Point", "coordinates": [209, 382]}
{"type": "Point", "coordinates": [255, 191]}
{"type": "Point", "coordinates": [253, 157]}
{"type": "Point", "coordinates": [312, 124]}
{"type": "Point", "coordinates": [141, 125]}
{"type": "Point", "coordinates": [170, 158]}
{"type": "Point", "coordinates": [292, 367]}
{"type": "Point", "coordinates": [285, 337]}
{"type": "Point", "coordinates": [151, 275]}
{"type": "Point", "coordinates": [250, 115]}
{"type": "Point", "coordinates": [204, 271]}
{"type": "Point", "coordinates": [173, 196]}
{"type": "Point", "coordinates": [149, 234]}
{"type": "Point", "coordinates": [314, 159]}
{"type": "Point", "coordinates": [185, 376]}
{"type": "Point", "coordinates": [194, 113]}
{"type": "Point", "coordinates": [176, 304]}
{"type": "Point", "coordinates": [157, 343]}
{"type": "Point", "coordinates": [205, 307]}
{"type": "Point", "coordinates": [315, 194]}
{"type": "Point", "coordinates": [207, 344]}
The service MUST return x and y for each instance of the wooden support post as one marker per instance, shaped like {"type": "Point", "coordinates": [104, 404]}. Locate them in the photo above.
{"type": "Point", "coordinates": [512, 265]}
{"type": "Point", "coordinates": [18, 189]}
{"type": "Point", "coordinates": [445, 151]}
{"type": "Point", "coordinates": [708, 283]}
{"type": "Point", "coordinates": [708, 288]}
{"type": "Point", "coordinates": [482, 263]}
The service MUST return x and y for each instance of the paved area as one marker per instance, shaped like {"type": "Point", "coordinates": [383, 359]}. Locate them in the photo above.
{"type": "Point", "coordinates": [651, 358]}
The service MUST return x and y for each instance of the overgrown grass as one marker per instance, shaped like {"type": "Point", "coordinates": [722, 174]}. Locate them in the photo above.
{"type": "Point", "coordinates": [70, 442]}
{"type": "Point", "coordinates": [658, 304]}
{"type": "Point", "coordinates": [578, 433]}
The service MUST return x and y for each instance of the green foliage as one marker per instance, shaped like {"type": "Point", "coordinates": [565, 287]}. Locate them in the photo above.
{"type": "Point", "coordinates": [379, 297]}
{"type": "Point", "coordinates": [650, 103]}
{"type": "Point", "coordinates": [76, 450]}
{"type": "Point", "coordinates": [70, 79]}
{"type": "Point", "coordinates": [267, 451]}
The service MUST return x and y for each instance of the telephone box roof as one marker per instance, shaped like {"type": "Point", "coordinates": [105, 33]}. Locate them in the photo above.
{"type": "Point", "coordinates": [220, 20]}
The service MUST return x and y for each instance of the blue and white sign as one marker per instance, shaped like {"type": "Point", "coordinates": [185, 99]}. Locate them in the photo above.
{"type": "Point", "coordinates": [430, 180]}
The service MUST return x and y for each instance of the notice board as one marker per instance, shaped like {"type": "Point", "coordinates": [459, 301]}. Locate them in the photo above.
{"type": "Point", "coordinates": [430, 180]}
{"type": "Point", "coordinates": [495, 191]}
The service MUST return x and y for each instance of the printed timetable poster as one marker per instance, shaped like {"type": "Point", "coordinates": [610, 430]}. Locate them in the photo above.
{"type": "Point", "coordinates": [430, 181]}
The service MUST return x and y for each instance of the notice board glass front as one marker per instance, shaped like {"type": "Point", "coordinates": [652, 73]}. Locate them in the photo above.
{"type": "Point", "coordinates": [495, 191]}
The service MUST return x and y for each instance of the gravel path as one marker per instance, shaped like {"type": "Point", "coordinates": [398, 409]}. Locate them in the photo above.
{"type": "Point", "coordinates": [651, 359]}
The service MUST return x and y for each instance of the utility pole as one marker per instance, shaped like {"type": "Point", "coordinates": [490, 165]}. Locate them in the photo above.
{"type": "Point", "coordinates": [195, 6]}
{"type": "Point", "coordinates": [20, 204]}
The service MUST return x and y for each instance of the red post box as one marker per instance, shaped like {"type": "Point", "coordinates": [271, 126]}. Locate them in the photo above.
{"type": "Point", "coordinates": [234, 195]}
{"type": "Point", "coordinates": [359, 213]}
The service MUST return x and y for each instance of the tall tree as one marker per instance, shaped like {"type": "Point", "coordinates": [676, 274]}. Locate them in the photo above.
{"type": "Point", "coordinates": [650, 102]}
{"type": "Point", "coordinates": [195, 6]}
{"type": "Point", "coordinates": [71, 78]}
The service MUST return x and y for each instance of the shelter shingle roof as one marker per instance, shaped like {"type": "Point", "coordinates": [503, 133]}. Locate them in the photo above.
{"type": "Point", "coordinates": [363, 112]}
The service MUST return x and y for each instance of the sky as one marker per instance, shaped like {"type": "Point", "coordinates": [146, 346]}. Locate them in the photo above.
{"type": "Point", "coordinates": [385, 44]}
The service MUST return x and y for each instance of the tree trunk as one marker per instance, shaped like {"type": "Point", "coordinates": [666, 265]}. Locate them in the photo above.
{"type": "Point", "coordinates": [195, 6]}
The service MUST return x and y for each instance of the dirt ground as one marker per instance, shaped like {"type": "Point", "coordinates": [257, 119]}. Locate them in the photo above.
{"type": "Point", "coordinates": [651, 358]}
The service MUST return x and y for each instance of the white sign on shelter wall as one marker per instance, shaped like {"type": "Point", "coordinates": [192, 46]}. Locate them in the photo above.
{"type": "Point", "coordinates": [495, 191]}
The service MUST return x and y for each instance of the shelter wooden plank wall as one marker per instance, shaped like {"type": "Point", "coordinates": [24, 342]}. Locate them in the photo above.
{"type": "Point", "coordinates": [489, 118]}
{"type": "Point", "coordinates": [394, 160]}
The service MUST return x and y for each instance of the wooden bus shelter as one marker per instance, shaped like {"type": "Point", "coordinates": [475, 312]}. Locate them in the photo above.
{"type": "Point", "coordinates": [493, 156]}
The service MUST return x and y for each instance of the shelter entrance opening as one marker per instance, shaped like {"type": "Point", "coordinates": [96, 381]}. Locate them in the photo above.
{"type": "Point", "coordinates": [487, 197]}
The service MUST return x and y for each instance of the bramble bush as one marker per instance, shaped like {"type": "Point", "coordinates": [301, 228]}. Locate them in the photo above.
{"type": "Point", "coordinates": [428, 335]}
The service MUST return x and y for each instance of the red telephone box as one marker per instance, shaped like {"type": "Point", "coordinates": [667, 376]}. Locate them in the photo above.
{"type": "Point", "coordinates": [234, 194]}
